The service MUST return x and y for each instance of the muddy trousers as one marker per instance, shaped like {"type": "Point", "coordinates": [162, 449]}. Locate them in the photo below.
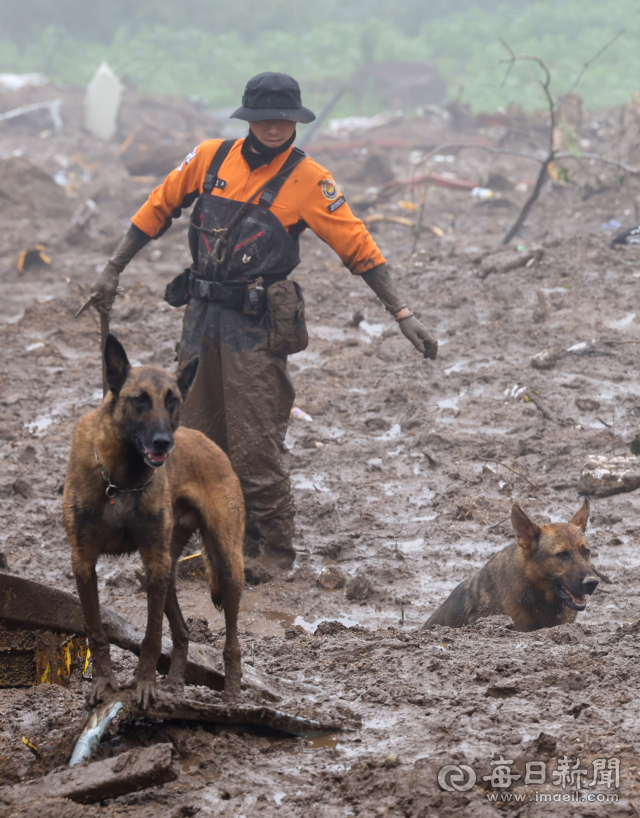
{"type": "Point", "coordinates": [241, 399]}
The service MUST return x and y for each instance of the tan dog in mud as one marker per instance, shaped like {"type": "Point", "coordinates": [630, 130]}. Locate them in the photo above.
{"type": "Point", "coordinates": [136, 482]}
{"type": "Point", "coordinates": [539, 581]}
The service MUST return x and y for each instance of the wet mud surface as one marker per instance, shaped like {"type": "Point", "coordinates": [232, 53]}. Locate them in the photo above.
{"type": "Point", "coordinates": [403, 481]}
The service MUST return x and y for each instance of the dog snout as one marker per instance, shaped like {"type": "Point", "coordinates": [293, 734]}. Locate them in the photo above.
{"type": "Point", "coordinates": [590, 584]}
{"type": "Point", "coordinates": [161, 442]}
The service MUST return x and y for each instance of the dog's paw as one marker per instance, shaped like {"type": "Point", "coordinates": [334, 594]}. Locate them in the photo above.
{"type": "Point", "coordinates": [104, 689]}
{"type": "Point", "coordinates": [231, 695]}
{"type": "Point", "coordinates": [172, 688]}
{"type": "Point", "coordinates": [145, 693]}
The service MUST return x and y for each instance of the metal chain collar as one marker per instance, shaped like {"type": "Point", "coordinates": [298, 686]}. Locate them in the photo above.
{"type": "Point", "coordinates": [112, 490]}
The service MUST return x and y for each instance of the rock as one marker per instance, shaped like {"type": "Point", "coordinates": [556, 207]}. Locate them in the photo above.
{"type": "Point", "coordinates": [359, 588]}
{"type": "Point", "coordinates": [604, 476]}
{"type": "Point", "coordinates": [331, 578]}
{"type": "Point", "coordinates": [330, 628]}
{"type": "Point", "coordinates": [4, 564]}
{"type": "Point", "coordinates": [254, 573]}
{"type": "Point", "coordinates": [199, 630]}
{"type": "Point", "coordinates": [295, 631]}
{"type": "Point", "coordinates": [546, 359]}
{"type": "Point", "coordinates": [587, 405]}
{"type": "Point", "coordinates": [391, 760]}
{"type": "Point", "coordinates": [21, 487]}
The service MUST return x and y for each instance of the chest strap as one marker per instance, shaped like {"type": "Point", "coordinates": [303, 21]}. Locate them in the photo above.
{"type": "Point", "coordinates": [211, 179]}
{"type": "Point", "coordinates": [274, 186]}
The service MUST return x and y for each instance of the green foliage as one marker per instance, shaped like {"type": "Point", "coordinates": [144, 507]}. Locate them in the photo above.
{"type": "Point", "coordinates": [210, 48]}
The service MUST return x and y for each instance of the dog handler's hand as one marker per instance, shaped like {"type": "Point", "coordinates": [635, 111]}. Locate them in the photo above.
{"type": "Point", "coordinates": [104, 288]}
{"type": "Point", "coordinates": [418, 334]}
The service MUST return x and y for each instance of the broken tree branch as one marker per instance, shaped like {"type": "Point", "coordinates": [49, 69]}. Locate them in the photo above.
{"type": "Point", "coordinates": [500, 463]}
{"type": "Point", "coordinates": [593, 59]}
{"type": "Point", "coordinates": [542, 174]}
{"type": "Point", "coordinates": [599, 158]}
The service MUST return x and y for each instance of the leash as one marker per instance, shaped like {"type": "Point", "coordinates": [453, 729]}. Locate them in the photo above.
{"type": "Point", "coordinates": [111, 489]}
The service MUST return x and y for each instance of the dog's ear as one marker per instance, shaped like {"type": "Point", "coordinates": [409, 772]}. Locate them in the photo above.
{"type": "Point", "coordinates": [581, 518]}
{"type": "Point", "coordinates": [116, 363]}
{"type": "Point", "coordinates": [186, 375]}
{"type": "Point", "coordinates": [527, 532]}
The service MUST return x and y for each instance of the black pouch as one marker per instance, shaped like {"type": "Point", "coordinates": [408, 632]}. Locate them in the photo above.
{"type": "Point", "coordinates": [287, 330]}
{"type": "Point", "coordinates": [177, 291]}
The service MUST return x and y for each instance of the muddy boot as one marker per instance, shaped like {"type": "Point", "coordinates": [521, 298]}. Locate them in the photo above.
{"type": "Point", "coordinates": [270, 542]}
{"type": "Point", "coordinates": [278, 540]}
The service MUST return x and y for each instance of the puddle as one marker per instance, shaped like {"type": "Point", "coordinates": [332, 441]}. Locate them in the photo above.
{"type": "Point", "coordinates": [622, 322]}
{"type": "Point", "coordinates": [285, 620]}
{"type": "Point", "coordinates": [372, 330]}
{"type": "Point", "coordinates": [453, 403]}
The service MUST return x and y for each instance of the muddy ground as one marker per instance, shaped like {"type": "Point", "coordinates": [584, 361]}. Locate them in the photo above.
{"type": "Point", "coordinates": [404, 480]}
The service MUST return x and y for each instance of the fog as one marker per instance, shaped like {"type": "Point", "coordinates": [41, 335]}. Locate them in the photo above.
{"type": "Point", "coordinates": [208, 49]}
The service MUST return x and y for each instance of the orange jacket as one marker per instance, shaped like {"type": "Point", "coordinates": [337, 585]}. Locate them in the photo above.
{"type": "Point", "coordinates": [309, 195]}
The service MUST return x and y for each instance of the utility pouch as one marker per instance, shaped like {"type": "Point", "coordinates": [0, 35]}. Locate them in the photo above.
{"type": "Point", "coordinates": [287, 330]}
{"type": "Point", "coordinates": [254, 299]}
{"type": "Point", "coordinates": [177, 291]}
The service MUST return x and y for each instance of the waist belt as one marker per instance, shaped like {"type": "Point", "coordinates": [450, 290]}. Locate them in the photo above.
{"type": "Point", "coordinates": [215, 291]}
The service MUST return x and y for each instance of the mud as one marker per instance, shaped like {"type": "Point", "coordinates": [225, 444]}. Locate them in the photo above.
{"type": "Point", "coordinates": [403, 480]}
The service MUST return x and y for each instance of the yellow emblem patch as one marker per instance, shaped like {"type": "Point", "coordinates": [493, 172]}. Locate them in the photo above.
{"type": "Point", "coordinates": [329, 189]}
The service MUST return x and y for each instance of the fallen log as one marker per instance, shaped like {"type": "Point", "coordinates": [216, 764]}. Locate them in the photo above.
{"type": "Point", "coordinates": [87, 783]}
{"type": "Point", "coordinates": [179, 709]}
{"type": "Point", "coordinates": [28, 603]}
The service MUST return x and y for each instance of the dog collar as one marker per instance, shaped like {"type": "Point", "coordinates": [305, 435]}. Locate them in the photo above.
{"type": "Point", "coordinates": [111, 489]}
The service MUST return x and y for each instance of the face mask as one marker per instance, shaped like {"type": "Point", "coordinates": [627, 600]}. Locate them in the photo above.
{"type": "Point", "coordinates": [265, 150]}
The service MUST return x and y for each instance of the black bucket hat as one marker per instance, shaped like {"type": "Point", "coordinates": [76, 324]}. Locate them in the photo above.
{"type": "Point", "coordinates": [273, 96]}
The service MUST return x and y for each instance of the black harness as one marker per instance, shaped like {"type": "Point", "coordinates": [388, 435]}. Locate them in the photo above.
{"type": "Point", "coordinates": [233, 243]}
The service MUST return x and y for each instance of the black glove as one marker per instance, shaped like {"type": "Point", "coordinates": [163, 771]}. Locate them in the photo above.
{"type": "Point", "coordinates": [380, 281]}
{"type": "Point", "coordinates": [419, 336]}
{"type": "Point", "coordinates": [104, 288]}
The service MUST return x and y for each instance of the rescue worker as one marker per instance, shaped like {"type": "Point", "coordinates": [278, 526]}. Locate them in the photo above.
{"type": "Point", "coordinates": [254, 197]}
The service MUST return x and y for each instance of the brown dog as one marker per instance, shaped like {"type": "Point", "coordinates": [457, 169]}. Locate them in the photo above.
{"type": "Point", "coordinates": [136, 482]}
{"type": "Point", "coordinates": [539, 581]}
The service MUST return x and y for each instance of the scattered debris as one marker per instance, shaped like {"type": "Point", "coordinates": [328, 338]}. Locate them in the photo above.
{"type": "Point", "coordinates": [299, 414]}
{"type": "Point", "coordinates": [482, 193]}
{"type": "Point", "coordinates": [81, 220]}
{"type": "Point", "coordinates": [37, 656]}
{"type": "Point", "coordinates": [354, 124]}
{"type": "Point", "coordinates": [359, 588]}
{"type": "Point", "coordinates": [102, 103]}
{"type": "Point", "coordinates": [53, 106]}
{"type": "Point", "coordinates": [129, 772]}
{"type": "Point", "coordinates": [587, 404]}
{"type": "Point", "coordinates": [93, 731]}
{"type": "Point", "coordinates": [547, 359]}
{"type": "Point", "coordinates": [509, 259]}
{"type": "Point", "coordinates": [534, 398]}
{"type": "Point", "coordinates": [32, 257]}
{"type": "Point", "coordinates": [331, 578]}
{"type": "Point", "coordinates": [631, 236]}
{"type": "Point", "coordinates": [16, 82]}
{"type": "Point", "coordinates": [605, 476]}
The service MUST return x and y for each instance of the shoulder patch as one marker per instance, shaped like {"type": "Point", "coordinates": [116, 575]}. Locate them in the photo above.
{"type": "Point", "coordinates": [329, 189]}
{"type": "Point", "coordinates": [190, 156]}
{"type": "Point", "coordinates": [335, 205]}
